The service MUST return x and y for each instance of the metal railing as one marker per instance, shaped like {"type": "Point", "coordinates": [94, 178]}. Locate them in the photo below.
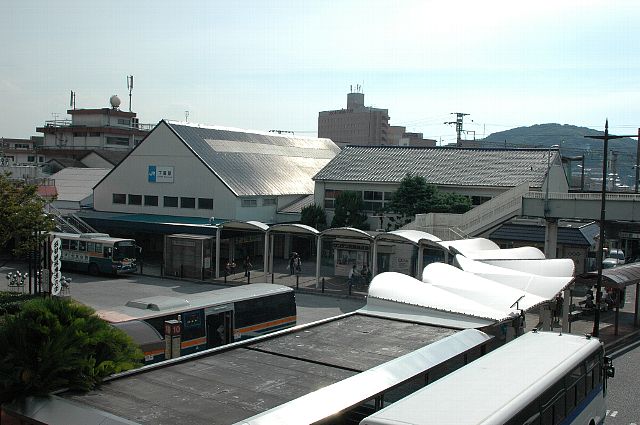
{"type": "Point", "coordinates": [69, 223]}
{"type": "Point", "coordinates": [69, 123]}
{"type": "Point", "coordinates": [449, 226]}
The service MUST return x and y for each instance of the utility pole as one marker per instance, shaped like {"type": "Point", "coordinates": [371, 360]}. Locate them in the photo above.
{"type": "Point", "coordinates": [458, 123]}
{"type": "Point", "coordinates": [605, 148]}
{"type": "Point", "coordinates": [637, 162]}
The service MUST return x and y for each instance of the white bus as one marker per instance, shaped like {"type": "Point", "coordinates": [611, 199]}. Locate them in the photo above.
{"type": "Point", "coordinates": [539, 378]}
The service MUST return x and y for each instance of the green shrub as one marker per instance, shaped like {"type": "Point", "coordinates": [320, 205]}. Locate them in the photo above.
{"type": "Point", "coordinates": [54, 343]}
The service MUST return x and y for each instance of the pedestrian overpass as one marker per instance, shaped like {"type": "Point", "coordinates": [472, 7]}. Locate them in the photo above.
{"type": "Point", "coordinates": [520, 201]}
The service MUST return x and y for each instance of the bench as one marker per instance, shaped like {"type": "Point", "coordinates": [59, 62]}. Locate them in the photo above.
{"type": "Point", "coordinates": [575, 315]}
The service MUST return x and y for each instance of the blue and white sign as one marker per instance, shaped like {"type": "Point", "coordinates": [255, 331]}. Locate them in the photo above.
{"type": "Point", "coordinates": [160, 174]}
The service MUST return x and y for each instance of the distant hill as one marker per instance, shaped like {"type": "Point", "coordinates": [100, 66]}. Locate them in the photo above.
{"type": "Point", "coordinates": [570, 138]}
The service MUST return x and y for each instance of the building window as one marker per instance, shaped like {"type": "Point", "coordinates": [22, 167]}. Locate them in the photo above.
{"type": "Point", "coordinates": [171, 201]}
{"type": "Point", "coordinates": [479, 200]}
{"type": "Point", "coordinates": [187, 202]}
{"type": "Point", "coordinates": [135, 199]}
{"type": "Point", "coordinates": [123, 121]}
{"type": "Point", "coordinates": [249, 202]}
{"type": "Point", "coordinates": [94, 134]}
{"type": "Point", "coordinates": [151, 200]}
{"type": "Point", "coordinates": [205, 203]}
{"type": "Point", "coordinates": [21, 146]}
{"type": "Point", "coordinates": [330, 196]}
{"type": "Point", "coordinates": [122, 141]}
{"type": "Point", "coordinates": [79, 134]}
{"type": "Point", "coordinates": [269, 202]}
{"type": "Point", "coordinates": [119, 198]}
{"type": "Point", "coordinates": [31, 158]}
{"type": "Point", "coordinates": [41, 159]}
{"type": "Point", "coordinates": [372, 200]}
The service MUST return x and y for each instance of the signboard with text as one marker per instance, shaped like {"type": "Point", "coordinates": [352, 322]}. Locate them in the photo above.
{"type": "Point", "coordinates": [160, 174]}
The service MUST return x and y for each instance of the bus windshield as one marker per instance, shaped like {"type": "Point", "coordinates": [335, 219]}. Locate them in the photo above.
{"type": "Point", "coordinates": [124, 249]}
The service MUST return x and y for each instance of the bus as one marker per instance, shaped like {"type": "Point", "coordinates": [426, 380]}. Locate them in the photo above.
{"type": "Point", "coordinates": [539, 378]}
{"type": "Point", "coordinates": [97, 253]}
{"type": "Point", "coordinates": [207, 320]}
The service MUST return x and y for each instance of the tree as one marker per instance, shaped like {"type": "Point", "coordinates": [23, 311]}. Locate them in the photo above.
{"type": "Point", "coordinates": [21, 214]}
{"type": "Point", "coordinates": [314, 216]}
{"type": "Point", "coordinates": [54, 343]}
{"type": "Point", "coordinates": [416, 196]}
{"type": "Point", "coordinates": [348, 211]}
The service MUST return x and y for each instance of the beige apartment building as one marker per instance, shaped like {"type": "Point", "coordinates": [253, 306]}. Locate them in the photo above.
{"type": "Point", "coordinates": [355, 125]}
{"type": "Point", "coordinates": [365, 126]}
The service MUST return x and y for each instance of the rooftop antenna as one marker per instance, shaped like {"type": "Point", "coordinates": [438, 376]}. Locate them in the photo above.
{"type": "Point", "coordinates": [72, 100]}
{"type": "Point", "coordinates": [186, 116]}
{"type": "Point", "coordinates": [130, 87]}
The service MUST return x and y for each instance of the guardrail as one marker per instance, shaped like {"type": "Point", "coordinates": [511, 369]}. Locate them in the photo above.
{"type": "Point", "coordinates": [69, 123]}
{"type": "Point", "coordinates": [460, 226]}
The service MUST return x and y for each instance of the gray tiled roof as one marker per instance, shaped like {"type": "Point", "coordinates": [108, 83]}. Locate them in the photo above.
{"type": "Point", "coordinates": [112, 156]}
{"type": "Point", "coordinates": [298, 205]}
{"type": "Point", "coordinates": [535, 233]}
{"type": "Point", "coordinates": [256, 163]}
{"type": "Point", "coordinates": [439, 166]}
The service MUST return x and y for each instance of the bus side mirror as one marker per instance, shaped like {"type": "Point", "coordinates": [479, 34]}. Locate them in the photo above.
{"type": "Point", "coordinates": [609, 370]}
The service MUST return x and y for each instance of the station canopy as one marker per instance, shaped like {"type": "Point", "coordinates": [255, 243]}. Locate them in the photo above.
{"type": "Point", "coordinates": [618, 277]}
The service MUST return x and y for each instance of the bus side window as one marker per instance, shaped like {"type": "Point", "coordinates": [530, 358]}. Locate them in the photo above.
{"type": "Point", "coordinates": [82, 246]}
{"type": "Point", "coordinates": [107, 252]}
{"type": "Point", "coordinates": [65, 243]}
{"type": "Point", "coordinates": [98, 247]}
{"type": "Point", "coordinates": [571, 382]}
{"type": "Point", "coordinates": [73, 245]}
{"type": "Point", "coordinates": [91, 247]}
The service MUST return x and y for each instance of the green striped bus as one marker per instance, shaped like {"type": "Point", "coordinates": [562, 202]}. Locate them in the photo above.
{"type": "Point", "coordinates": [97, 253]}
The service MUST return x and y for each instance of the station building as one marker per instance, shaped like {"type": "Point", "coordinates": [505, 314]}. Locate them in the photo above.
{"type": "Point", "coordinates": [480, 174]}
{"type": "Point", "coordinates": [184, 178]}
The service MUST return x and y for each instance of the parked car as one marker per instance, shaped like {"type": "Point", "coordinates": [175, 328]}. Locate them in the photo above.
{"type": "Point", "coordinates": [609, 263]}
{"type": "Point", "coordinates": [616, 255]}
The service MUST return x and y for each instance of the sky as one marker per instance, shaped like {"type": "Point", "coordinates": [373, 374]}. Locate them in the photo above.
{"type": "Point", "coordinates": [275, 64]}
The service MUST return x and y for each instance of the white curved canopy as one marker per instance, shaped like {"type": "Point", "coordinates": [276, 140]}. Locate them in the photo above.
{"type": "Point", "coordinates": [245, 225]}
{"type": "Point", "coordinates": [521, 253]}
{"type": "Point", "coordinates": [294, 228]}
{"type": "Point", "coordinates": [564, 267]}
{"type": "Point", "coordinates": [484, 291]}
{"type": "Point", "coordinates": [474, 244]}
{"type": "Point", "coordinates": [347, 232]}
{"type": "Point", "coordinates": [413, 236]}
{"type": "Point", "coordinates": [402, 289]}
{"type": "Point", "coordinates": [543, 286]}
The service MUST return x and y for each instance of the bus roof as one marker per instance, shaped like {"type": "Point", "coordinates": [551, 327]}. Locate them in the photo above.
{"type": "Point", "coordinates": [144, 308]}
{"type": "Point", "coordinates": [509, 375]}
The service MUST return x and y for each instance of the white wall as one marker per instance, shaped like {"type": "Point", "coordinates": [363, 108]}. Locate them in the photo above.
{"type": "Point", "coordinates": [191, 179]}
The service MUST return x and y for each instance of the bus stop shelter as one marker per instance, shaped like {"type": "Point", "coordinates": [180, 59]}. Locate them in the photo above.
{"type": "Point", "coordinates": [617, 279]}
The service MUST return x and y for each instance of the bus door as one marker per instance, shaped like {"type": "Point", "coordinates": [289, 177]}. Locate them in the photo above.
{"type": "Point", "coordinates": [219, 324]}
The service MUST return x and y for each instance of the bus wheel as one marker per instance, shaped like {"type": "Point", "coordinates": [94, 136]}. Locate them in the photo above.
{"type": "Point", "coordinates": [93, 269]}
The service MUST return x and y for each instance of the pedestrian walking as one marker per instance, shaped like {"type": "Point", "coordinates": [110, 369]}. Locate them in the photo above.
{"type": "Point", "coordinates": [557, 311]}
{"type": "Point", "coordinates": [247, 266]}
{"type": "Point", "coordinates": [297, 263]}
{"type": "Point", "coordinates": [291, 266]}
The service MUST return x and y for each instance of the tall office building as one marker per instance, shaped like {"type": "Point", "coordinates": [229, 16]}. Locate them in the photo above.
{"type": "Point", "coordinates": [357, 124]}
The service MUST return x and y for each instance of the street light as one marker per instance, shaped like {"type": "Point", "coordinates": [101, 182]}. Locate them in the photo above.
{"type": "Point", "coordinates": [605, 147]}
